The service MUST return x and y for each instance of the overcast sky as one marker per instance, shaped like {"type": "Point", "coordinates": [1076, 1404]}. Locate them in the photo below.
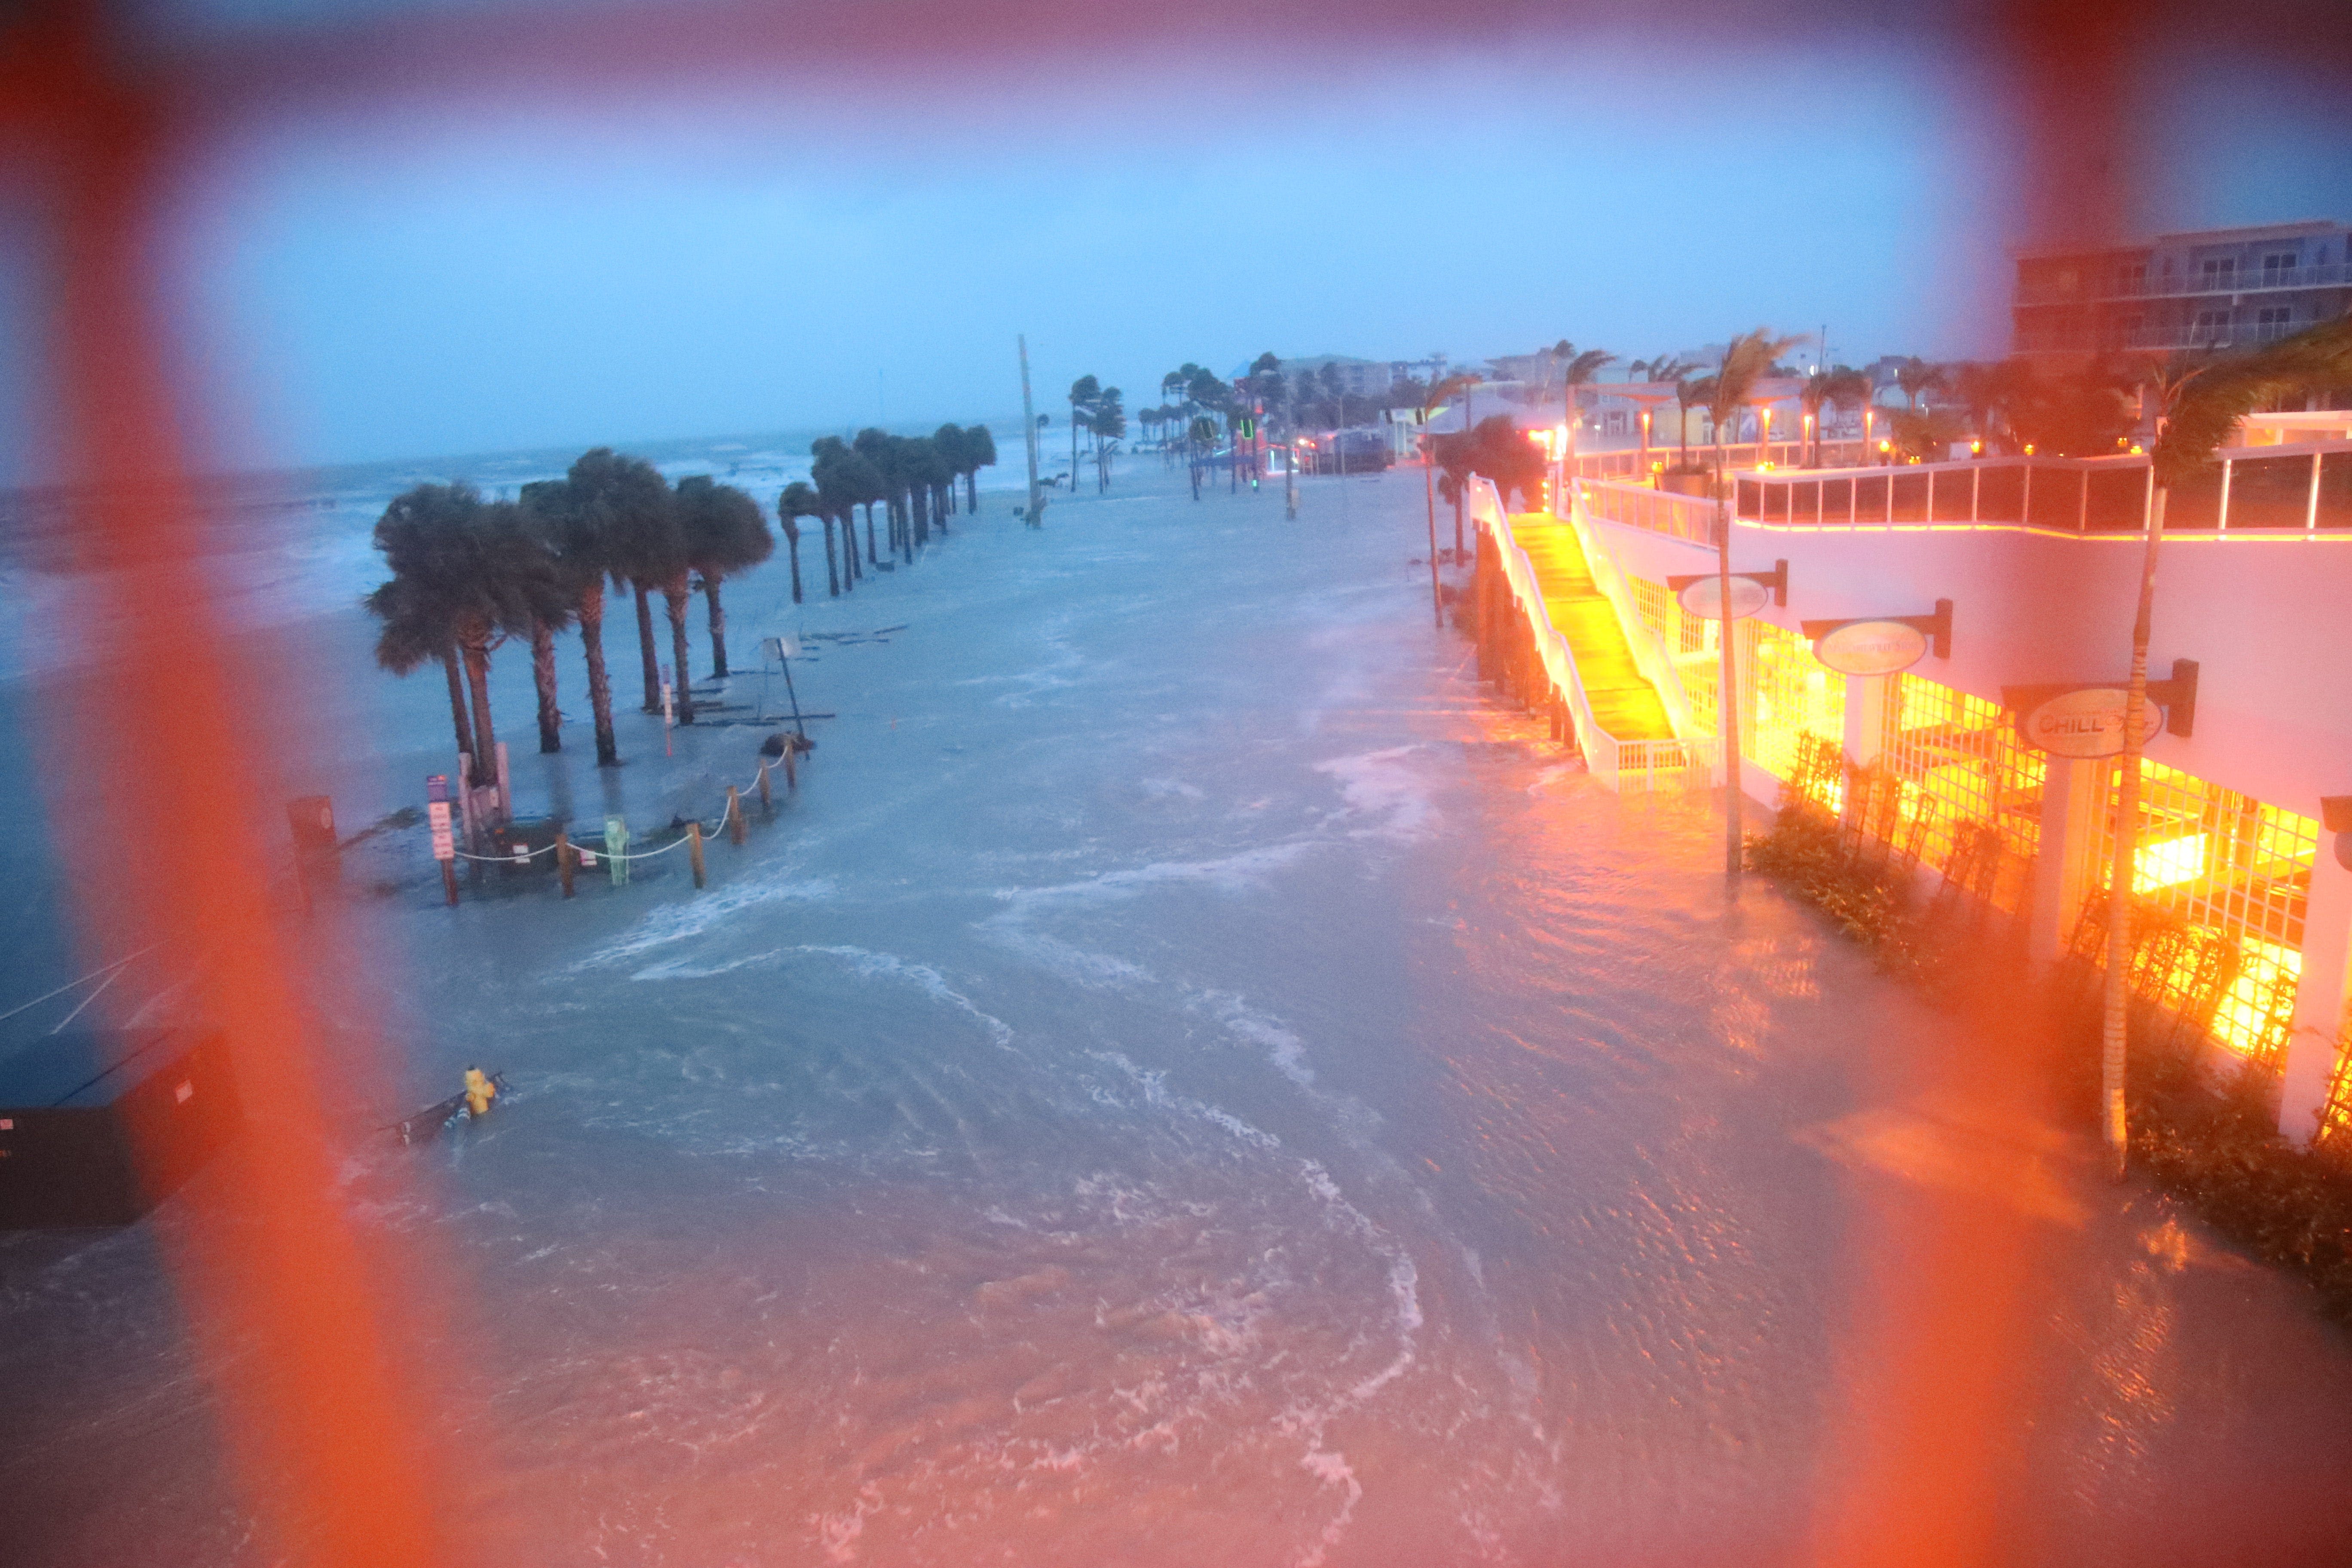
{"type": "Point", "coordinates": [432, 277]}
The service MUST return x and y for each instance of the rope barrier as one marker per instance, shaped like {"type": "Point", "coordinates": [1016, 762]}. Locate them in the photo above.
{"type": "Point", "coordinates": [709, 830]}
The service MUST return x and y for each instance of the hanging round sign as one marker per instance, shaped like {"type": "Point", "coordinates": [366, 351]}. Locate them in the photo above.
{"type": "Point", "coordinates": [1703, 599]}
{"type": "Point", "coordinates": [1871, 648]}
{"type": "Point", "coordinates": [2087, 722]}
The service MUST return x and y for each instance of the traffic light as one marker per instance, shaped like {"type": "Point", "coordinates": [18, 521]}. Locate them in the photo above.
{"type": "Point", "coordinates": [1248, 430]}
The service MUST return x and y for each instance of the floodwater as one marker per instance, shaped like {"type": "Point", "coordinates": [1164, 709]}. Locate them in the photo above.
{"type": "Point", "coordinates": [1189, 1080]}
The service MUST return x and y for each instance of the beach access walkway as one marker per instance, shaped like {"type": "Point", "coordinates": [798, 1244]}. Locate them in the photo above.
{"type": "Point", "coordinates": [1624, 701]}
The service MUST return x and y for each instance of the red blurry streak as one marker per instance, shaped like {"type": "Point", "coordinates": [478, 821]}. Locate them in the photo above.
{"type": "Point", "coordinates": [278, 1288]}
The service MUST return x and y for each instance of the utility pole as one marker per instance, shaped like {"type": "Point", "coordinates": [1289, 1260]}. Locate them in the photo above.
{"type": "Point", "coordinates": [1035, 518]}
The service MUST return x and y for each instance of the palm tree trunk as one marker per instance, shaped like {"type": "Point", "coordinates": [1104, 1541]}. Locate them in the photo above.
{"type": "Point", "coordinates": [793, 546]}
{"type": "Point", "coordinates": [919, 514]}
{"type": "Point", "coordinates": [2116, 1012]}
{"type": "Point", "coordinates": [645, 647]}
{"type": "Point", "coordinates": [600, 687]}
{"type": "Point", "coordinates": [718, 626]}
{"type": "Point", "coordinates": [869, 532]}
{"type": "Point", "coordinates": [832, 577]}
{"type": "Point", "coordinates": [675, 594]}
{"type": "Point", "coordinates": [457, 701]}
{"type": "Point", "coordinates": [543, 675]}
{"type": "Point", "coordinates": [478, 678]}
{"type": "Point", "coordinates": [851, 571]}
{"type": "Point", "coordinates": [1726, 687]}
{"type": "Point", "coordinates": [971, 491]}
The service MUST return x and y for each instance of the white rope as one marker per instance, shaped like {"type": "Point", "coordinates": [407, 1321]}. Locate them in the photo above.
{"type": "Point", "coordinates": [71, 983]}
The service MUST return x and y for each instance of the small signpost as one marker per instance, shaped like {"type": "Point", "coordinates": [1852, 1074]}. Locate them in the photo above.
{"type": "Point", "coordinates": [1882, 644]}
{"type": "Point", "coordinates": [1701, 595]}
{"type": "Point", "coordinates": [445, 842]}
{"type": "Point", "coordinates": [784, 649]}
{"type": "Point", "coordinates": [670, 711]}
{"type": "Point", "coordinates": [2086, 719]}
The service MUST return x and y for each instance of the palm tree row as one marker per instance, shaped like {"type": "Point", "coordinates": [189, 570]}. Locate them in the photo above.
{"type": "Point", "coordinates": [468, 573]}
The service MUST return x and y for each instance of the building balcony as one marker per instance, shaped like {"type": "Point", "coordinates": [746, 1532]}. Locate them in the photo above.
{"type": "Point", "coordinates": [2196, 286]}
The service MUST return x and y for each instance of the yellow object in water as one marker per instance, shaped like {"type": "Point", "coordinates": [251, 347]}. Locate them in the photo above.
{"type": "Point", "coordinates": [480, 1092]}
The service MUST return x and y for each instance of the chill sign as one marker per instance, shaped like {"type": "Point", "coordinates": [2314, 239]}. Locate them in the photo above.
{"type": "Point", "coordinates": [1703, 599]}
{"type": "Point", "coordinates": [1871, 648]}
{"type": "Point", "coordinates": [2086, 722]}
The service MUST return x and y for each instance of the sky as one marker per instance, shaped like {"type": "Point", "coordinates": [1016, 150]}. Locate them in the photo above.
{"type": "Point", "coordinates": [434, 274]}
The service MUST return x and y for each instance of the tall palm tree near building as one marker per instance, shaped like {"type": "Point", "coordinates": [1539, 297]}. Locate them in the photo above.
{"type": "Point", "coordinates": [798, 500]}
{"type": "Point", "coordinates": [1831, 389]}
{"type": "Point", "coordinates": [2198, 402]}
{"type": "Point", "coordinates": [725, 533]}
{"type": "Point", "coordinates": [601, 493]}
{"type": "Point", "coordinates": [1916, 378]}
{"type": "Point", "coordinates": [1581, 370]}
{"type": "Point", "coordinates": [1690, 391]}
{"type": "Point", "coordinates": [1746, 360]}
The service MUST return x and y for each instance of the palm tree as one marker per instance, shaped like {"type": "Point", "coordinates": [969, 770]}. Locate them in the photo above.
{"type": "Point", "coordinates": [463, 573]}
{"type": "Point", "coordinates": [642, 542]}
{"type": "Point", "coordinates": [418, 626]}
{"type": "Point", "coordinates": [600, 494]}
{"type": "Point", "coordinates": [880, 483]}
{"type": "Point", "coordinates": [2198, 402]}
{"type": "Point", "coordinates": [950, 441]}
{"type": "Point", "coordinates": [1746, 360]}
{"type": "Point", "coordinates": [1689, 393]}
{"type": "Point", "coordinates": [979, 452]}
{"type": "Point", "coordinates": [799, 500]}
{"type": "Point", "coordinates": [725, 533]}
{"type": "Point", "coordinates": [1581, 371]}
{"type": "Point", "coordinates": [1916, 377]}
{"type": "Point", "coordinates": [1083, 394]}
{"type": "Point", "coordinates": [541, 510]}
{"type": "Point", "coordinates": [1839, 388]}
{"type": "Point", "coordinates": [842, 478]}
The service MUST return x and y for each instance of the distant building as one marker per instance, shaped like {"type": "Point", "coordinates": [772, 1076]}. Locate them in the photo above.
{"type": "Point", "coordinates": [2208, 288]}
{"type": "Point", "coordinates": [1361, 377]}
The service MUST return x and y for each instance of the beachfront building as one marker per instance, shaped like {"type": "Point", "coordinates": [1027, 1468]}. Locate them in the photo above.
{"type": "Point", "coordinates": [2206, 288]}
{"type": "Point", "coordinates": [2019, 576]}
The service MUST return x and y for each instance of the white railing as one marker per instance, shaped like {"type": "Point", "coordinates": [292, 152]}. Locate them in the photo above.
{"type": "Point", "coordinates": [1640, 464]}
{"type": "Point", "coordinates": [2235, 280]}
{"type": "Point", "coordinates": [1617, 764]}
{"type": "Point", "coordinates": [2290, 495]}
{"type": "Point", "coordinates": [1675, 515]}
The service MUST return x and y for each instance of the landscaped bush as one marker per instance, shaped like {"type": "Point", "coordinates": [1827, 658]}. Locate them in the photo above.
{"type": "Point", "coordinates": [2219, 1153]}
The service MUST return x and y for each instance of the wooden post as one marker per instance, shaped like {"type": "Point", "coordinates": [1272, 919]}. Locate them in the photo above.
{"type": "Point", "coordinates": [737, 829]}
{"type": "Point", "coordinates": [564, 858]}
{"type": "Point", "coordinates": [792, 768]}
{"type": "Point", "coordinates": [449, 882]}
{"type": "Point", "coordinates": [767, 794]}
{"type": "Point", "coordinates": [693, 850]}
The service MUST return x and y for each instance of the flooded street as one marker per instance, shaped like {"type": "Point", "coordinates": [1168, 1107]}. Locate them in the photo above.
{"type": "Point", "coordinates": [1189, 1080]}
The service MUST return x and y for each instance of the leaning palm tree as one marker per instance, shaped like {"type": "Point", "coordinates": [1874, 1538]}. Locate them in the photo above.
{"type": "Point", "coordinates": [2198, 402]}
{"type": "Point", "coordinates": [800, 500]}
{"type": "Point", "coordinates": [418, 625]}
{"type": "Point", "coordinates": [462, 572]}
{"type": "Point", "coordinates": [725, 534]}
{"type": "Point", "coordinates": [642, 540]}
{"type": "Point", "coordinates": [1746, 360]}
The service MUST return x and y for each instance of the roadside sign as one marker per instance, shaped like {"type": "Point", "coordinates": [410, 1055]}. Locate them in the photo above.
{"type": "Point", "coordinates": [2087, 722]}
{"type": "Point", "coordinates": [1871, 648]}
{"type": "Point", "coordinates": [445, 845]}
{"type": "Point", "coordinates": [1704, 599]}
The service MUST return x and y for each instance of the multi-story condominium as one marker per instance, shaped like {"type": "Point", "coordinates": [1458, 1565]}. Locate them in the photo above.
{"type": "Point", "coordinates": [2208, 289]}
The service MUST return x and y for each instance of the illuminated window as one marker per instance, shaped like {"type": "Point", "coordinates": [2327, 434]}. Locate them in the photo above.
{"type": "Point", "coordinates": [2221, 880]}
{"type": "Point", "coordinates": [1968, 786]}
